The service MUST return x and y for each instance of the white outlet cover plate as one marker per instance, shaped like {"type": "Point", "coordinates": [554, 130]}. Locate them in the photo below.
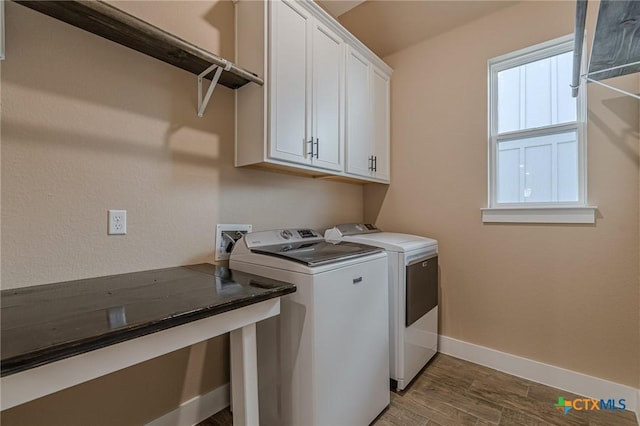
{"type": "Point", "coordinates": [117, 222]}
{"type": "Point", "coordinates": [220, 252]}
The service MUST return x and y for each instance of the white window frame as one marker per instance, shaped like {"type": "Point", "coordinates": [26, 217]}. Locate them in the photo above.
{"type": "Point", "coordinates": [549, 212]}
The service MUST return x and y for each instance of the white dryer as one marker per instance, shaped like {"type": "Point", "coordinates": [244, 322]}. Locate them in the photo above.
{"type": "Point", "coordinates": [325, 359]}
{"type": "Point", "coordinates": [413, 295]}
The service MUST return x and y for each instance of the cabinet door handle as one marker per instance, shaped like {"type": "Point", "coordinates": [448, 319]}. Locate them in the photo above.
{"type": "Point", "coordinates": [317, 147]}
{"type": "Point", "coordinates": [310, 143]}
{"type": "Point", "coordinates": [375, 163]}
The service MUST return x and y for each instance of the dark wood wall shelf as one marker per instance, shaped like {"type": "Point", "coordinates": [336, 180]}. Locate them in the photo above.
{"type": "Point", "coordinates": [116, 25]}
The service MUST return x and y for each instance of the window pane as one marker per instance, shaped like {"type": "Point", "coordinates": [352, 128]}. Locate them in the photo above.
{"type": "Point", "coordinates": [538, 169]}
{"type": "Point", "coordinates": [536, 94]}
{"type": "Point", "coordinates": [509, 175]}
{"type": "Point", "coordinates": [537, 174]}
{"type": "Point", "coordinates": [568, 171]}
{"type": "Point", "coordinates": [509, 100]}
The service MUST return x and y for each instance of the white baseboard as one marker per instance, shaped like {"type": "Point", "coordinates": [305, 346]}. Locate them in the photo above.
{"type": "Point", "coordinates": [196, 409]}
{"type": "Point", "coordinates": [571, 381]}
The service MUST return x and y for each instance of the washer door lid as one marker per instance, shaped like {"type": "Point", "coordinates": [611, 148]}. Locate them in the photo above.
{"type": "Point", "coordinates": [317, 253]}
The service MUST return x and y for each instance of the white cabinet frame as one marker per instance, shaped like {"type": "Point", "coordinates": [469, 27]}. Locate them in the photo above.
{"type": "Point", "coordinates": [255, 132]}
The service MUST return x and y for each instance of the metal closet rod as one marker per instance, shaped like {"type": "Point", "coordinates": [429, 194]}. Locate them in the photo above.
{"type": "Point", "coordinates": [578, 40]}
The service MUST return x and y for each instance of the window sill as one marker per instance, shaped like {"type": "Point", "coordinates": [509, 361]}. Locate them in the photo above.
{"type": "Point", "coordinates": [582, 214]}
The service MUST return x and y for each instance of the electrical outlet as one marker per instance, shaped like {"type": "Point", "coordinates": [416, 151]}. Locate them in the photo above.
{"type": "Point", "coordinates": [117, 222]}
{"type": "Point", "coordinates": [226, 237]}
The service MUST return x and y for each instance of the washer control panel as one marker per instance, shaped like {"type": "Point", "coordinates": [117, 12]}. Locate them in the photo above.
{"type": "Point", "coordinates": [356, 228]}
{"type": "Point", "coordinates": [279, 236]}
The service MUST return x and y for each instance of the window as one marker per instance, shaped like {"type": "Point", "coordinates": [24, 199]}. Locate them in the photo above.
{"type": "Point", "coordinates": [536, 137]}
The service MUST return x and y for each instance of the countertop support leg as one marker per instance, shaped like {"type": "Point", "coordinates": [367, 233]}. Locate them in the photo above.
{"type": "Point", "coordinates": [244, 376]}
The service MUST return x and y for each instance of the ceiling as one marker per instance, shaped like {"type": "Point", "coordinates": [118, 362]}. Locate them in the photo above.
{"type": "Point", "coordinates": [387, 26]}
{"type": "Point", "coordinates": [339, 7]}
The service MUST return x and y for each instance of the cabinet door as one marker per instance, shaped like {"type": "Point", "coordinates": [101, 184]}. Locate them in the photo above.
{"type": "Point", "coordinates": [289, 75]}
{"type": "Point", "coordinates": [358, 120]}
{"type": "Point", "coordinates": [380, 125]}
{"type": "Point", "coordinates": [328, 100]}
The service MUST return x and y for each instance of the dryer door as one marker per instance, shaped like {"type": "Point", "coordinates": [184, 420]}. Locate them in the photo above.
{"type": "Point", "coordinates": [422, 288]}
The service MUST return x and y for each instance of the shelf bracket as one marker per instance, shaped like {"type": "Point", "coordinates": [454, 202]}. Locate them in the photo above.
{"type": "Point", "coordinates": [202, 103]}
{"type": "Point", "coordinates": [588, 78]}
{"type": "Point", "coordinates": [624, 92]}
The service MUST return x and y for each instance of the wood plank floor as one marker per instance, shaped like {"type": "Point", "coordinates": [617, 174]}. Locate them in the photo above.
{"type": "Point", "coordinates": [453, 392]}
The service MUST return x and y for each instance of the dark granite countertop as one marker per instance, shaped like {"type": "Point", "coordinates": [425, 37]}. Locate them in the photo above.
{"type": "Point", "coordinates": [46, 323]}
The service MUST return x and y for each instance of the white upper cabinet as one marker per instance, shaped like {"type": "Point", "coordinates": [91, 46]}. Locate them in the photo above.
{"type": "Point", "coordinates": [306, 97]}
{"type": "Point", "coordinates": [328, 98]}
{"type": "Point", "coordinates": [315, 98]}
{"type": "Point", "coordinates": [367, 119]}
{"type": "Point", "coordinates": [359, 119]}
{"type": "Point", "coordinates": [290, 74]}
{"type": "Point", "coordinates": [381, 128]}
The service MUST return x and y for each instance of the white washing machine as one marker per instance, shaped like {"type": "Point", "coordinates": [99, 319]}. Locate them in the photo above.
{"type": "Point", "coordinates": [413, 295]}
{"type": "Point", "coordinates": [325, 359]}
